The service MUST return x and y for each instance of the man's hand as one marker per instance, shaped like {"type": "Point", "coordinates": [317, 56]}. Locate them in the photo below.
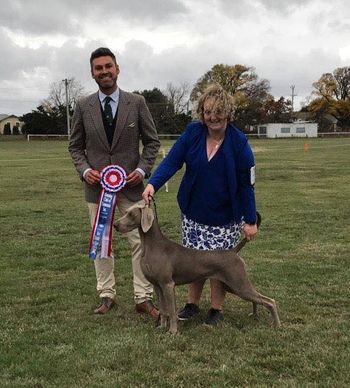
{"type": "Point", "coordinates": [249, 231]}
{"type": "Point", "coordinates": [92, 177]}
{"type": "Point", "coordinates": [134, 178]}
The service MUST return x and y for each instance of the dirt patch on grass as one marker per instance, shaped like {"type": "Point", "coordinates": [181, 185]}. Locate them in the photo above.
{"type": "Point", "coordinates": [259, 149]}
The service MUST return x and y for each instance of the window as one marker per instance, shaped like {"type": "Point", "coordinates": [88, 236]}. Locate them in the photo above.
{"type": "Point", "coordinates": [300, 130]}
{"type": "Point", "coordinates": [285, 130]}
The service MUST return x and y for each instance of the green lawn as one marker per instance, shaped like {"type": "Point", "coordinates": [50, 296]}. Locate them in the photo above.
{"type": "Point", "coordinates": [49, 336]}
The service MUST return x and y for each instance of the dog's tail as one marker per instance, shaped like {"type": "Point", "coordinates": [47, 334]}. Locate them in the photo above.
{"type": "Point", "coordinates": [242, 243]}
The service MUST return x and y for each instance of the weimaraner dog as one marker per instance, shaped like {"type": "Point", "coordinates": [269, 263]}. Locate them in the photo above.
{"type": "Point", "coordinates": [166, 264]}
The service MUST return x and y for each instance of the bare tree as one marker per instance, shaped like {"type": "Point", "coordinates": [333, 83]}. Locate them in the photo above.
{"type": "Point", "coordinates": [178, 96]}
{"type": "Point", "coordinates": [57, 95]}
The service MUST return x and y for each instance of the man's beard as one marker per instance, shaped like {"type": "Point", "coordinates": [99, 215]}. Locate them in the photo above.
{"type": "Point", "coordinates": [106, 82]}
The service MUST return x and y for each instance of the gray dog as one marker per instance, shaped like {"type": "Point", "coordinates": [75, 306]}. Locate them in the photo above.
{"type": "Point", "coordinates": [166, 264]}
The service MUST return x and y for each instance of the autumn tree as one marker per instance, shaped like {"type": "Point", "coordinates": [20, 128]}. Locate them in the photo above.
{"type": "Point", "coordinates": [276, 111]}
{"type": "Point", "coordinates": [332, 96]}
{"type": "Point", "coordinates": [243, 84]}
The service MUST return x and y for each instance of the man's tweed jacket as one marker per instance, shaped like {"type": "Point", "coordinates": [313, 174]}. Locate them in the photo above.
{"type": "Point", "coordinates": [89, 146]}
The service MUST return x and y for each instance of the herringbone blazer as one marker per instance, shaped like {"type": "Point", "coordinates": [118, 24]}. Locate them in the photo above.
{"type": "Point", "coordinates": [89, 147]}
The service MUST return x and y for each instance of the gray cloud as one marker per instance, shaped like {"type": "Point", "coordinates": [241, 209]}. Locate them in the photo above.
{"type": "Point", "coordinates": [238, 9]}
{"type": "Point", "coordinates": [39, 17]}
{"type": "Point", "coordinates": [284, 68]}
{"type": "Point", "coordinates": [282, 6]}
{"type": "Point", "coordinates": [265, 34]}
{"type": "Point", "coordinates": [157, 12]}
{"type": "Point", "coordinates": [66, 17]}
{"type": "Point", "coordinates": [17, 59]}
{"type": "Point", "coordinates": [142, 68]}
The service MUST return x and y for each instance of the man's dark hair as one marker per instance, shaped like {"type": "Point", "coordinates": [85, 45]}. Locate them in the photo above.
{"type": "Point", "coordinates": [102, 52]}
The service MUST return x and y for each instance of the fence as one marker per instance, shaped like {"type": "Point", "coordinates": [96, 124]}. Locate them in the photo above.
{"type": "Point", "coordinates": [47, 137]}
{"type": "Point", "coordinates": [168, 136]}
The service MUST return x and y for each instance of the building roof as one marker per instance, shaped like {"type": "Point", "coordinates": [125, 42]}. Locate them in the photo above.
{"type": "Point", "coordinates": [286, 124]}
{"type": "Point", "coordinates": [5, 116]}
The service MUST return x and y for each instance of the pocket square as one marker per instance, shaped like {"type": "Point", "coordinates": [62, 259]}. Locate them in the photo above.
{"type": "Point", "coordinates": [131, 125]}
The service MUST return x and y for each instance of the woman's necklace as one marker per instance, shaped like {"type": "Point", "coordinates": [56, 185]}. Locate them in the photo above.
{"type": "Point", "coordinates": [213, 148]}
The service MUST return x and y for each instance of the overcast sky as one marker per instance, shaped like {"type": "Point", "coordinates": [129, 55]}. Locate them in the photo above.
{"type": "Point", "coordinates": [289, 42]}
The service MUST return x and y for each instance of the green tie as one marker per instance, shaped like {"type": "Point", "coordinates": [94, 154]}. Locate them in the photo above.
{"type": "Point", "coordinates": [108, 111]}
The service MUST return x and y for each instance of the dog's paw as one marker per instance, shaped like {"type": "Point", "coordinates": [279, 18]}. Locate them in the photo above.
{"type": "Point", "coordinates": [255, 316]}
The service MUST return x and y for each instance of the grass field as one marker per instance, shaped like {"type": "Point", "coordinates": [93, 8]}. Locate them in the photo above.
{"type": "Point", "coordinates": [49, 336]}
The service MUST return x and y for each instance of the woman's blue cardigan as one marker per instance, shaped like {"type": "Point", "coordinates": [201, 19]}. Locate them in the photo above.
{"type": "Point", "coordinates": [239, 161]}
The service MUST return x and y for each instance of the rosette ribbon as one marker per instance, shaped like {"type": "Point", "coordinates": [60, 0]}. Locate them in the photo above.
{"type": "Point", "coordinates": [113, 179]}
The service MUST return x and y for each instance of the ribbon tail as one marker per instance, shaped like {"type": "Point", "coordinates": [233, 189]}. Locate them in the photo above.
{"type": "Point", "coordinates": [106, 244]}
{"type": "Point", "coordinates": [93, 246]}
{"type": "Point", "coordinates": [101, 235]}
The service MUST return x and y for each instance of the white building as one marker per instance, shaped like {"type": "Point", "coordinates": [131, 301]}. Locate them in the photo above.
{"type": "Point", "coordinates": [10, 121]}
{"type": "Point", "coordinates": [296, 129]}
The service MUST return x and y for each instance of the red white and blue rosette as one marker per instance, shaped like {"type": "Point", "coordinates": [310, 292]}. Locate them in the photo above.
{"type": "Point", "coordinates": [113, 179]}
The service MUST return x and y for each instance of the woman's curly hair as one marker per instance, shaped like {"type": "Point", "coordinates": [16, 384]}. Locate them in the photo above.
{"type": "Point", "coordinates": [222, 101]}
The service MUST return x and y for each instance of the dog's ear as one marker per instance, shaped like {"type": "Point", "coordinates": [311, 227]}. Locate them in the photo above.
{"type": "Point", "coordinates": [147, 218]}
{"type": "Point", "coordinates": [138, 205]}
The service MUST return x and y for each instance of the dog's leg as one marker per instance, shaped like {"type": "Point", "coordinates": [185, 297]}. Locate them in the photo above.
{"type": "Point", "coordinates": [237, 282]}
{"type": "Point", "coordinates": [162, 311]}
{"type": "Point", "coordinates": [270, 304]}
{"type": "Point", "coordinates": [256, 298]}
{"type": "Point", "coordinates": [169, 299]}
{"type": "Point", "coordinates": [255, 311]}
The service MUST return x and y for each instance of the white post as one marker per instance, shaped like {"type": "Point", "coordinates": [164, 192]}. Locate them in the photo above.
{"type": "Point", "coordinates": [67, 107]}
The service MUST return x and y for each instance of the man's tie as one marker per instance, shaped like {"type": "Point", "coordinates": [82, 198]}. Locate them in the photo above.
{"type": "Point", "coordinates": [108, 111]}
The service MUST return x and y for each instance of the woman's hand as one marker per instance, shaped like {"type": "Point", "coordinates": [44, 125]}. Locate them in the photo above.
{"type": "Point", "coordinates": [148, 193]}
{"type": "Point", "coordinates": [249, 231]}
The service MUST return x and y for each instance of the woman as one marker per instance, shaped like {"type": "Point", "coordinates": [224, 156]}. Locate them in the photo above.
{"type": "Point", "coordinates": [216, 195]}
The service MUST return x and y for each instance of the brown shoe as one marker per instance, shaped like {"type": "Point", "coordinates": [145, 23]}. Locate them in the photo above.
{"type": "Point", "coordinates": [148, 307]}
{"type": "Point", "coordinates": [105, 305]}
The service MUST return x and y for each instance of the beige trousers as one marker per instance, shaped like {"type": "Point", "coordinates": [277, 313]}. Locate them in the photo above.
{"type": "Point", "coordinates": [104, 267]}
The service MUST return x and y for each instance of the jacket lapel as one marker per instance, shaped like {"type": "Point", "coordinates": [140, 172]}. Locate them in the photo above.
{"type": "Point", "coordinates": [95, 111]}
{"type": "Point", "coordinates": [123, 111]}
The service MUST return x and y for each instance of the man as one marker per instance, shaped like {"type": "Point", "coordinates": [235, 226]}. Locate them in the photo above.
{"type": "Point", "coordinates": [106, 129]}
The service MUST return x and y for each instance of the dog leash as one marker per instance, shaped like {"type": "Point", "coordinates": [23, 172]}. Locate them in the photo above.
{"type": "Point", "coordinates": [155, 206]}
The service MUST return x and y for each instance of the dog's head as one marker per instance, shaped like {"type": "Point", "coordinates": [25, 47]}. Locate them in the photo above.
{"type": "Point", "coordinates": [138, 215]}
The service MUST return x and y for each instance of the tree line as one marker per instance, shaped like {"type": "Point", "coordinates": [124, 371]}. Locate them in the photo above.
{"type": "Point", "coordinates": [172, 108]}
